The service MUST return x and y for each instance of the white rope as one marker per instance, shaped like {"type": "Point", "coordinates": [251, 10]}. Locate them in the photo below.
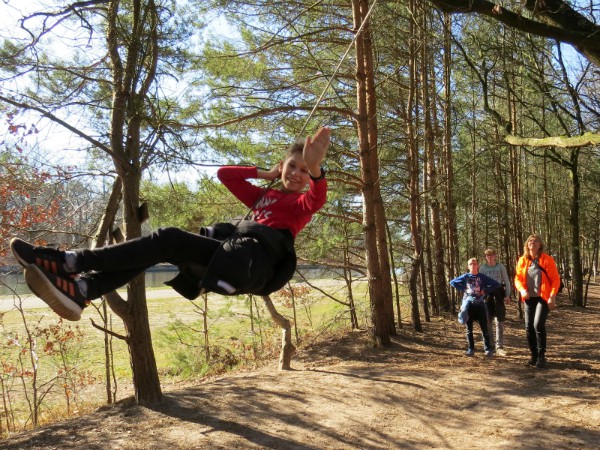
{"type": "Point", "coordinates": [209, 265]}
{"type": "Point", "coordinates": [301, 133]}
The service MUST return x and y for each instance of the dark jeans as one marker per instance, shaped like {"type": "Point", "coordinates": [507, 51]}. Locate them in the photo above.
{"type": "Point", "coordinates": [115, 265]}
{"type": "Point", "coordinates": [495, 305]}
{"type": "Point", "coordinates": [536, 311]}
{"type": "Point", "coordinates": [477, 311]}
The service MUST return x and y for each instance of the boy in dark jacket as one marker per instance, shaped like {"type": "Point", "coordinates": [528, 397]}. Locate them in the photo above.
{"type": "Point", "coordinates": [475, 286]}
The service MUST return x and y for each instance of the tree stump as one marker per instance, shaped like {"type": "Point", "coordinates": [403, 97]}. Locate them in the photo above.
{"type": "Point", "coordinates": [287, 348]}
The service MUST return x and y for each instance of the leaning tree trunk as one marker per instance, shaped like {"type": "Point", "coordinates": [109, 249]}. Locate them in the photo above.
{"type": "Point", "coordinates": [287, 348]}
{"type": "Point", "coordinates": [101, 239]}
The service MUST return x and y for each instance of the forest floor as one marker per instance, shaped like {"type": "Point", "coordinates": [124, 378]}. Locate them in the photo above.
{"type": "Point", "coordinates": [344, 394]}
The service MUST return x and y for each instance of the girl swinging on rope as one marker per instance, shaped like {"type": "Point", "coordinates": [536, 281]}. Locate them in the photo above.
{"type": "Point", "coordinates": [254, 256]}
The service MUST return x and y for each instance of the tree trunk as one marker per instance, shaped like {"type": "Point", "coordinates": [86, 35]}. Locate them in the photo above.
{"type": "Point", "coordinates": [593, 267]}
{"type": "Point", "coordinates": [577, 275]}
{"type": "Point", "coordinates": [143, 363]}
{"type": "Point", "coordinates": [132, 77]}
{"type": "Point", "coordinates": [101, 239]}
{"type": "Point", "coordinates": [287, 348]}
{"type": "Point", "coordinates": [380, 216]}
{"type": "Point", "coordinates": [452, 231]}
{"type": "Point", "coordinates": [395, 278]}
{"type": "Point", "coordinates": [439, 291]}
{"type": "Point", "coordinates": [372, 202]}
{"type": "Point", "coordinates": [413, 167]}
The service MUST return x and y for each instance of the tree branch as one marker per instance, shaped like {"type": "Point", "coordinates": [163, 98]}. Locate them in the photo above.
{"type": "Point", "coordinates": [555, 141]}
{"type": "Point", "coordinates": [112, 333]}
{"type": "Point", "coordinates": [268, 112]}
{"type": "Point", "coordinates": [61, 122]}
{"type": "Point", "coordinates": [558, 21]}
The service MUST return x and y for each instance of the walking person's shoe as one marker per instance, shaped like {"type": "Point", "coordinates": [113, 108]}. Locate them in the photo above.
{"type": "Point", "coordinates": [533, 360]}
{"type": "Point", "coordinates": [500, 351]}
{"type": "Point", "coordinates": [489, 353]}
{"type": "Point", "coordinates": [61, 293]}
{"type": "Point", "coordinates": [49, 259]}
{"type": "Point", "coordinates": [541, 362]}
{"type": "Point", "coordinates": [469, 352]}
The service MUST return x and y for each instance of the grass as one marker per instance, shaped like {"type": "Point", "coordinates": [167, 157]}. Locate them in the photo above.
{"type": "Point", "coordinates": [176, 327]}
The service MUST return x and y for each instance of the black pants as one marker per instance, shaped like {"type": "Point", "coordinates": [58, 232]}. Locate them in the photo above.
{"type": "Point", "coordinates": [108, 268]}
{"type": "Point", "coordinates": [477, 311]}
{"type": "Point", "coordinates": [536, 312]}
{"type": "Point", "coordinates": [495, 305]}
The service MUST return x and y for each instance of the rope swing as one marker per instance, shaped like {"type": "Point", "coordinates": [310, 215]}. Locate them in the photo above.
{"type": "Point", "coordinates": [207, 270]}
{"type": "Point", "coordinates": [337, 69]}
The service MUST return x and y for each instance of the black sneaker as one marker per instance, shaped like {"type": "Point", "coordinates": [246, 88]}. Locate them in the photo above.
{"type": "Point", "coordinates": [541, 362]}
{"type": "Point", "coordinates": [532, 361]}
{"type": "Point", "coordinates": [60, 293]}
{"type": "Point", "coordinates": [49, 259]}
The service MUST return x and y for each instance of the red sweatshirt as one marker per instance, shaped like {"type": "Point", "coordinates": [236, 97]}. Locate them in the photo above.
{"type": "Point", "coordinates": [275, 208]}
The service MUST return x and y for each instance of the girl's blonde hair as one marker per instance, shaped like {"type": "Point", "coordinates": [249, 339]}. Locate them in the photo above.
{"type": "Point", "coordinates": [538, 238]}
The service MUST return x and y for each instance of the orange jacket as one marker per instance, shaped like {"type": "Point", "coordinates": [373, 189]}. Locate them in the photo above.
{"type": "Point", "coordinates": [550, 283]}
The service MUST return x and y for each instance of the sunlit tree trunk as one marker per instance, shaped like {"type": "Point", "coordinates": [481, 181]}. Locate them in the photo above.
{"type": "Point", "coordinates": [577, 274]}
{"type": "Point", "coordinates": [439, 291]}
{"type": "Point", "coordinates": [451, 227]}
{"type": "Point", "coordinates": [413, 168]}
{"type": "Point", "coordinates": [132, 77]}
{"type": "Point", "coordinates": [373, 220]}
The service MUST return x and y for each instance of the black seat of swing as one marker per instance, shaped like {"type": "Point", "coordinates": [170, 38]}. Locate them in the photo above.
{"type": "Point", "coordinates": [246, 247]}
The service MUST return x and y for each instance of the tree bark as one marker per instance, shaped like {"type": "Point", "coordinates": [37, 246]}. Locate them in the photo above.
{"type": "Point", "coordinates": [439, 291]}
{"type": "Point", "coordinates": [372, 202]}
{"type": "Point", "coordinates": [452, 231]}
{"type": "Point", "coordinates": [413, 167]}
{"type": "Point", "coordinates": [137, 71]}
{"type": "Point", "coordinates": [287, 348]}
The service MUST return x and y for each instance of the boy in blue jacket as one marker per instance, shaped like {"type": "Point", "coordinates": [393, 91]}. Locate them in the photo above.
{"type": "Point", "coordinates": [474, 286]}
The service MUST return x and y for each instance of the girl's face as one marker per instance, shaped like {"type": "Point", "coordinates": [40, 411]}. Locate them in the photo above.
{"type": "Point", "coordinates": [294, 173]}
{"type": "Point", "coordinates": [533, 245]}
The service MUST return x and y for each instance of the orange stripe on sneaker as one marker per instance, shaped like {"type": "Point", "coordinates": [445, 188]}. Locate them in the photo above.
{"type": "Point", "coordinates": [63, 285]}
{"type": "Point", "coordinates": [47, 265]}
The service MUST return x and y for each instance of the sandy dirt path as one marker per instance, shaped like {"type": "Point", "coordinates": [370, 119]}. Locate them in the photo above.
{"type": "Point", "coordinates": [420, 393]}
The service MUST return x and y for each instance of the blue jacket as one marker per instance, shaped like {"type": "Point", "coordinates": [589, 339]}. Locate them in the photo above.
{"type": "Point", "coordinates": [474, 288]}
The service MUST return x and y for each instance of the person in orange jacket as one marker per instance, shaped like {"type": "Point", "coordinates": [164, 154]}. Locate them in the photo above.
{"type": "Point", "coordinates": [538, 281]}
